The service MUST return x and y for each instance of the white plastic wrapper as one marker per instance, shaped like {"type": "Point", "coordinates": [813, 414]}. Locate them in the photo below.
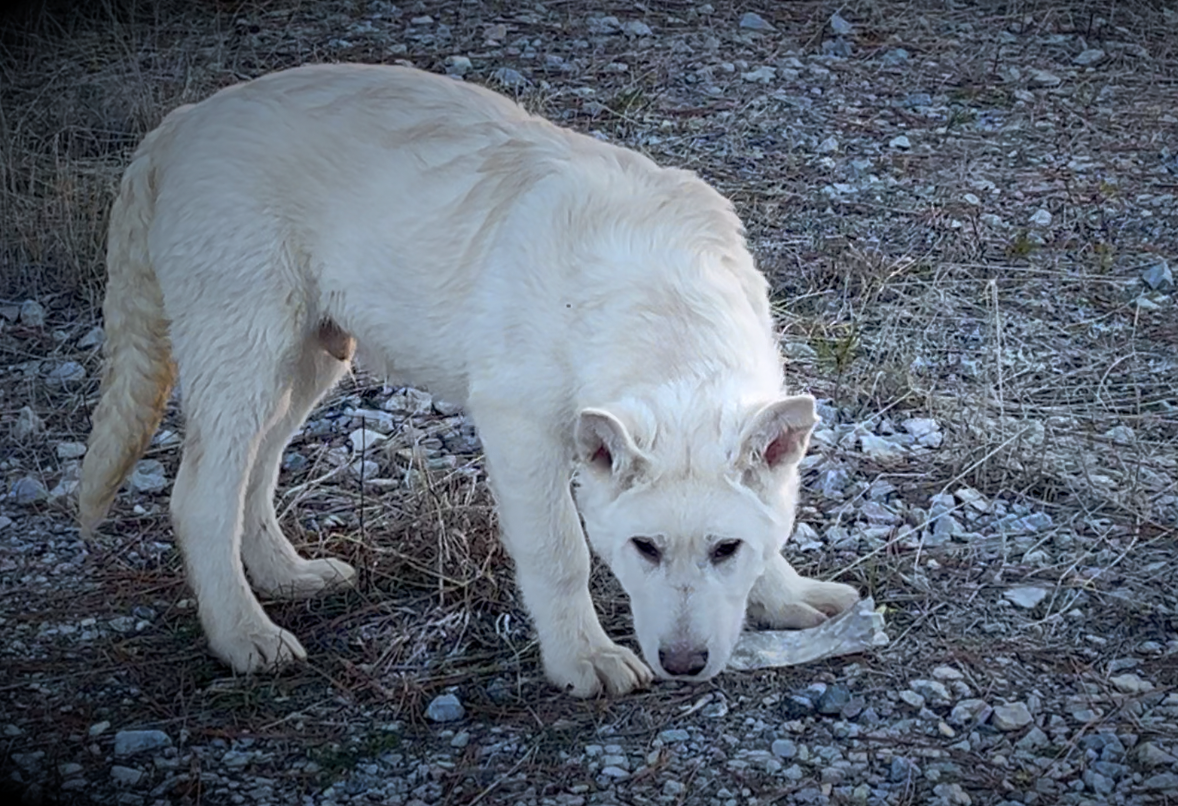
{"type": "Point", "coordinates": [858, 630]}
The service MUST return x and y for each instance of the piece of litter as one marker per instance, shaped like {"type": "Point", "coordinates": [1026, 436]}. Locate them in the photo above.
{"type": "Point", "coordinates": [857, 630]}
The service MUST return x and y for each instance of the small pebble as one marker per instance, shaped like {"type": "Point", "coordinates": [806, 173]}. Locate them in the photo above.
{"type": "Point", "coordinates": [754, 22]}
{"type": "Point", "coordinates": [130, 742]}
{"type": "Point", "coordinates": [1011, 717]}
{"type": "Point", "coordinates": [445, 708]}
{"type": "Point", "coordinates": [32, 314]}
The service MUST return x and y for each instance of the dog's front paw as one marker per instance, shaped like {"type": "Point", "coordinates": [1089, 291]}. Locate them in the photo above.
{"type": "Point", "coordinates": [829, 598]}
{"type": "Point", "coordinates": [307, 578]}
{"type": "Point", "coordinates": [798, 604]}
{"type": "Point", "coordinates": [256, 646]}
{"type": "Point", "coordinates": [594, 667]}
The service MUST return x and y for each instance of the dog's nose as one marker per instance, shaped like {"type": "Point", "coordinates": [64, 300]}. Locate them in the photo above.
{"type": "Point", "coordinates": [683, 661]}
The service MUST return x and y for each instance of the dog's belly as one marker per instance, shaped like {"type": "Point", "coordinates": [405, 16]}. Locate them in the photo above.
{"type": "Point", "coordinates": [401, 371]}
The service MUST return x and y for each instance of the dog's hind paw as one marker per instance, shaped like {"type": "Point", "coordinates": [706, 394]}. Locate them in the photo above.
{"type": "Point", "coordinates": [308, 578]}
{"type": "Point", "coordinates": [595, 668]}
{"type": "Point", "coordinates": [253, 648]}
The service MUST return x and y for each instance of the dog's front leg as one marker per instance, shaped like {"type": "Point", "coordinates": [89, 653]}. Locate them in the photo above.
{"type": "Point", "coordinates": [530, 475]}
{"type": "Point", "coordinates": [783, 599]}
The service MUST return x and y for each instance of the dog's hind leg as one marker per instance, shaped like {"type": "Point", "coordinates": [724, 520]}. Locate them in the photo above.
{"type": "Point", "coordinates": [783, 599]}
{"type": "Point", "coordinates": [274, 566]}
{"type": "Point", "coordinates": [235, 358]}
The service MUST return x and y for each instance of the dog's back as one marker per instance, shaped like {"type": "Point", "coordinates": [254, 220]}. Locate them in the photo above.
{"type": "Point", "coordinates": [395, 196]}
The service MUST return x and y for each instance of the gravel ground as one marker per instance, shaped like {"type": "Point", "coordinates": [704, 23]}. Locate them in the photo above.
{"type": "Point", "coordinates": [968, 213]}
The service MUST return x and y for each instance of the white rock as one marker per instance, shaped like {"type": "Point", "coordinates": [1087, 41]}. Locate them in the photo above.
{"type": "Point", "coordinates": [125, 776]}
{"type": "Point", "coordinates": [509, 77]}
{"type": "Point", "coordinates": [236, 758]}
{"type": "Point", "coordinates": [762, 75]}
{"type": "Point", "coordinates": [94, 337]}
{"type": "Point", "coordinates": [947, 673]}
{"type": "Point", "coordinates": [879, 448]}
{"type": "Point", "coordinates": [66, 374]}
{"type": "Point", "coordinates": [363, 439]}
{"type": "Point", "coordinates": [1130, 683]}
{"type": "Point", "coordinates": [458, 65]}
{"type": "Point", "coordinates": [27, 490]}
{"type": "Point", "coordinates": [912, 698]}
{"type": "Point", "coordinates": [1149, 755]}
{"type": "Point", "coordinates": [71, 474]}
{"type": "Point", "coordinates": [382, 421]}
{"type": "Point", "coordinates": [900, 141]}
{"type": "Point", "coordinates": [946, 526]}
{"type": "Point", "coordinates": [971, 199]}
{"type": "Point", "coordinates": [32, 314]}
{"type": "Point", "coordinates": [755, 22]}
{"type": "Point", "coordinates": [1158, 276]}
{"type": "Point", "coordinates": [828, 146]}
{"type": "Point", "coordinates": [1011, 717]}
{"type": "Point", "coordinates": [925, 430]}
{"type": "Point", "coordinates": [972, 498]}
{"type": "Point", "coordinates": [969, 712]}
{"type": "Point", "coordinates": [148, 476]}
{"type": "Point", "coordinates": [799, 351]}
{"type": "Point", "coordinates": [446, 408]}
{"type": "Point", "coordinates": [130, 742]}
{"type": "Point", "coordinates": [27, 424]}
{"type": "Point", "coordinates": [411, 401]}
{"type": "Point", "coordinates": [877, 513]}
{"type": "Point", "coordinates": [636, 28]}
{"type": "Point", "coordinates": [1027, 597]}
{"type": "Point", "coordinates": [365, 469]}
{"type": "Point", "coordinates": [602, 25]}
{"type": "Point", "coordinates": [1043, 78]}
{"type": "Point", "coordinates": [71, 450]}
{"type": "Point", "coordinates": [1041, 218]}
{"type": "Point", "coordinates": [446, 708]}
{"type": "Point", "coordinates": [165, 437]}
{"type": "Point", "coordinates": [1089, 57]}
{"type": "Point", "coordinates": [805, 538]}
{"type": "Point", "coordinates": [933, 691]}
{"type": "Point", "coordinates": [840, 26]}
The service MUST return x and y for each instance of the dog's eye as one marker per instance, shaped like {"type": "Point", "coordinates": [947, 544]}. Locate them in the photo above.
{"type": "Point", "coordinates": [724, 550]}
{"type": "Point", "coordinates": [647, 548]}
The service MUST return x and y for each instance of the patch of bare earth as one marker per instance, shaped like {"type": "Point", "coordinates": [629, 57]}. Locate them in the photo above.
{"type": "Point", "coordinates": [968, 214]}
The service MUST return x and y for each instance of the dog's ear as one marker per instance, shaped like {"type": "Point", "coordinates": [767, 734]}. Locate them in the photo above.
{"type": "Point", "coordinates": [777, 436]}
{"type": "Point", "coordinates": [605, 446]}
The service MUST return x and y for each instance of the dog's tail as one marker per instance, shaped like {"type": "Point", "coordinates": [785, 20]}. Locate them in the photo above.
{"type": "Point", "coordinates": [139, 373]}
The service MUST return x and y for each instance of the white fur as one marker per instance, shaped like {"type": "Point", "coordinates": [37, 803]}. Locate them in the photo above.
{"type": "Point", "coordinates": [591, 309]}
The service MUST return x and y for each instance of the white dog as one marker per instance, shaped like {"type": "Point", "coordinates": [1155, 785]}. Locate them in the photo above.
{"type": "Point", "coordinates": [598, 315]}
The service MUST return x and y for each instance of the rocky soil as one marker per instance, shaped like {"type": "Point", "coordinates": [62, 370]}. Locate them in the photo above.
{"type": "Point", "coordinates": [968, 213]}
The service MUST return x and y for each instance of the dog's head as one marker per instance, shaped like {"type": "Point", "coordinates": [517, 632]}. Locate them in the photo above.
{"type": "Point", "coordinates": [687, 519]}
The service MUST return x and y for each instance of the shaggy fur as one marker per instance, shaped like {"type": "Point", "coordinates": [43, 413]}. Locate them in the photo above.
{"type": "Point", "coordinates": [599, 317]}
